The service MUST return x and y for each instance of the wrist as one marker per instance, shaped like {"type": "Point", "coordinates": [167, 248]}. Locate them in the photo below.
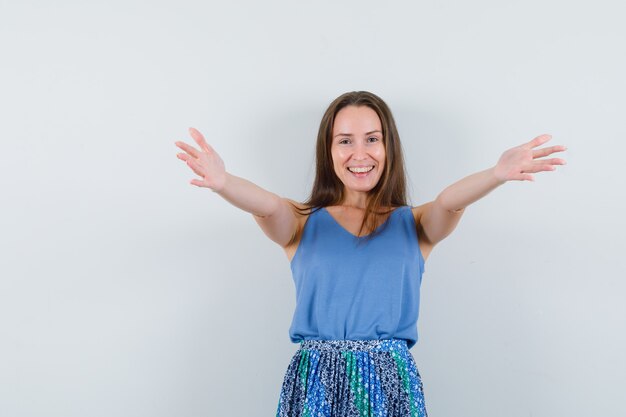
{"type": "Point", "coordinates": [497, 180]}
{"type": "Point", "coordinates": [220, 188]}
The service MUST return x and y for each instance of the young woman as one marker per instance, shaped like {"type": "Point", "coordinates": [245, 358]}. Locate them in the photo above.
{"type": "Point", "coordinates": [357, 254]}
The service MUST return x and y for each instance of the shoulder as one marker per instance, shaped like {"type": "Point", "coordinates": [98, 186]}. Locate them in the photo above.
{"type": "Point", "coordinates": [418, 212]}
{"type": "Point", "coordinates": [425, 244]}
{"type": "Point", "coordinates": [301, 212]}
{"type": "Point", "coordinates": [298, 209]}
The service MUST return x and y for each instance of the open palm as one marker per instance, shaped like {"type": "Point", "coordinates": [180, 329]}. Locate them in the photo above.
{"type": "Point", "coordinates": [206, 162]}
{"type": "Point", "coordinates": [520, 162]}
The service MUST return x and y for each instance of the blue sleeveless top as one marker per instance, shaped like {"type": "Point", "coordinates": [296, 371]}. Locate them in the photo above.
{"type": "Point", "coordinates": [365, 291]}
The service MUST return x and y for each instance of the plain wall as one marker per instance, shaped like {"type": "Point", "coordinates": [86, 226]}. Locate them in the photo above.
{"type": "Point", "coordinates": [126, 291]}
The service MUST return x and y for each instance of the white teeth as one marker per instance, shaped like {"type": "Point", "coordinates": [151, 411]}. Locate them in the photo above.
{"type": "Point", "coordinates": [365, 169]}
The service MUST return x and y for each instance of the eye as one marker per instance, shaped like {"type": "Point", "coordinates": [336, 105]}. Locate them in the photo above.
{"type": "Point", "coordinates": [343, 140]}
{"type": "Point", "coordinates": [375, 138]}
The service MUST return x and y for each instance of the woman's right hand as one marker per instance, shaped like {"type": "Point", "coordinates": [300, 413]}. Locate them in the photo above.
{"type": "Point", "coordinates": [206, 163]}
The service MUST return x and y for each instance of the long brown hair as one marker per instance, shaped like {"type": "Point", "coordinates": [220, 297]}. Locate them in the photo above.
{"type": "Point", "coordinates": [328, 190]}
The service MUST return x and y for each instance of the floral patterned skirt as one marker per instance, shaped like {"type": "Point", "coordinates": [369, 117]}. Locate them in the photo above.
{"type": "Point", "coordinates": [352, 378]}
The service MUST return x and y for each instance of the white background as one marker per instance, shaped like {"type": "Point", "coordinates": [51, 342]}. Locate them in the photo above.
{"type": "Point", "coordinates": [127, 291]}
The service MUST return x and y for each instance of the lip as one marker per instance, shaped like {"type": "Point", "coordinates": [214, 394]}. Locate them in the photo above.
{"type": "Point", "coordinates": [362, 174]}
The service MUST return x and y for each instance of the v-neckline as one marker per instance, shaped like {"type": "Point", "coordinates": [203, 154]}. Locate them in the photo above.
{"type": "Point", "coordinates": [360, 237]}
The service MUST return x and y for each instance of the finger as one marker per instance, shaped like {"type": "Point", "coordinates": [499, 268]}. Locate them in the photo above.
{"type": "Point", "coordinates": [549, 150]}
{"type": "Point", "coordinates": [539, 140]}
{"type": "Point", "coordinates": [540, 168]}
{"type": "Point", "coordinates": [183, 156]}
{"type": "Point", "coordinates": [197, 182]}
{"type": "Point", "coordinates": [544, 165]}
{"type": "Point", "coordinates": [197, 136]}
{"type": "Point", "coordinates": [188, 148]}
{"type": "Point", "coordinates": [551, 161]}
{"type": "Point", "coordinates": [195, 167]}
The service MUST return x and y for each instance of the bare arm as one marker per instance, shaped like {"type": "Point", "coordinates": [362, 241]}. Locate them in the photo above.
{"type": "Point", "coordinates": [272, 213]}
{"type": "Point", "coordinates": [441, 216]}
{"type": "Point", "coordinates": [248, 196]}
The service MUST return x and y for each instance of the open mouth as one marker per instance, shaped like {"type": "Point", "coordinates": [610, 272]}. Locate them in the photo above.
{"type": "Point", "coordinates": [360, 172]}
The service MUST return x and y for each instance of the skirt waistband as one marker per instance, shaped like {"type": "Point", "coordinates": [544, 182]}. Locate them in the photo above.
{"type": "Point", "coordinates": [384, 345]}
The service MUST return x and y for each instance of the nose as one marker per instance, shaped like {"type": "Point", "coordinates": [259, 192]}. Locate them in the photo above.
{"type": "Point", "coordinates": [360, 151]}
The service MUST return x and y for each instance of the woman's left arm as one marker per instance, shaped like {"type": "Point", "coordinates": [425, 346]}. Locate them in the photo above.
{"type": "Point", "coordinates": [440, 217]}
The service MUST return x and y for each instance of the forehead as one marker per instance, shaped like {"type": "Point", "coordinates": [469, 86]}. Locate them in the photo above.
{"type": "Point", "coordinates": [355, 120]}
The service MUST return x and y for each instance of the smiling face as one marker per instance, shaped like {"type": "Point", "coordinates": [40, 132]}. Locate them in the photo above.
{"type": "Point", "coordinates": [357, 145]}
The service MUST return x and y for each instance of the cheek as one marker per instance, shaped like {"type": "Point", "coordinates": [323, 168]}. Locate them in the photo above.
{"type": "Point", "coordinates": [336, 161]}
{"type": "Point", "coordinates": [383, 162]}
{"type": "Point", "coordinates": [338, 158]}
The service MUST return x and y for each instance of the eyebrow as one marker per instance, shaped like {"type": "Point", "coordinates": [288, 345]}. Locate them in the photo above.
{"type": "Point", "coordinates": [350, 134]}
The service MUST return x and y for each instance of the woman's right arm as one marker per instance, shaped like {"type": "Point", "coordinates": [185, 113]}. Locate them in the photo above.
{"type": "Point", "coordinates": [273, 213]}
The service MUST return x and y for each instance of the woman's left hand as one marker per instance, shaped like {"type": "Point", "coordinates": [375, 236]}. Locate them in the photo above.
{"type": "Point", "coordinates": [521, 162]}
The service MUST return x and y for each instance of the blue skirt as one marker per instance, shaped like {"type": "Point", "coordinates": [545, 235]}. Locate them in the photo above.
{"type": "Point", "coordinates": [352, 378]}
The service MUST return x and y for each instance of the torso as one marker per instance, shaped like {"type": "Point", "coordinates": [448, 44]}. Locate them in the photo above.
{"type": "Point", "coordinates": [350, 219]}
